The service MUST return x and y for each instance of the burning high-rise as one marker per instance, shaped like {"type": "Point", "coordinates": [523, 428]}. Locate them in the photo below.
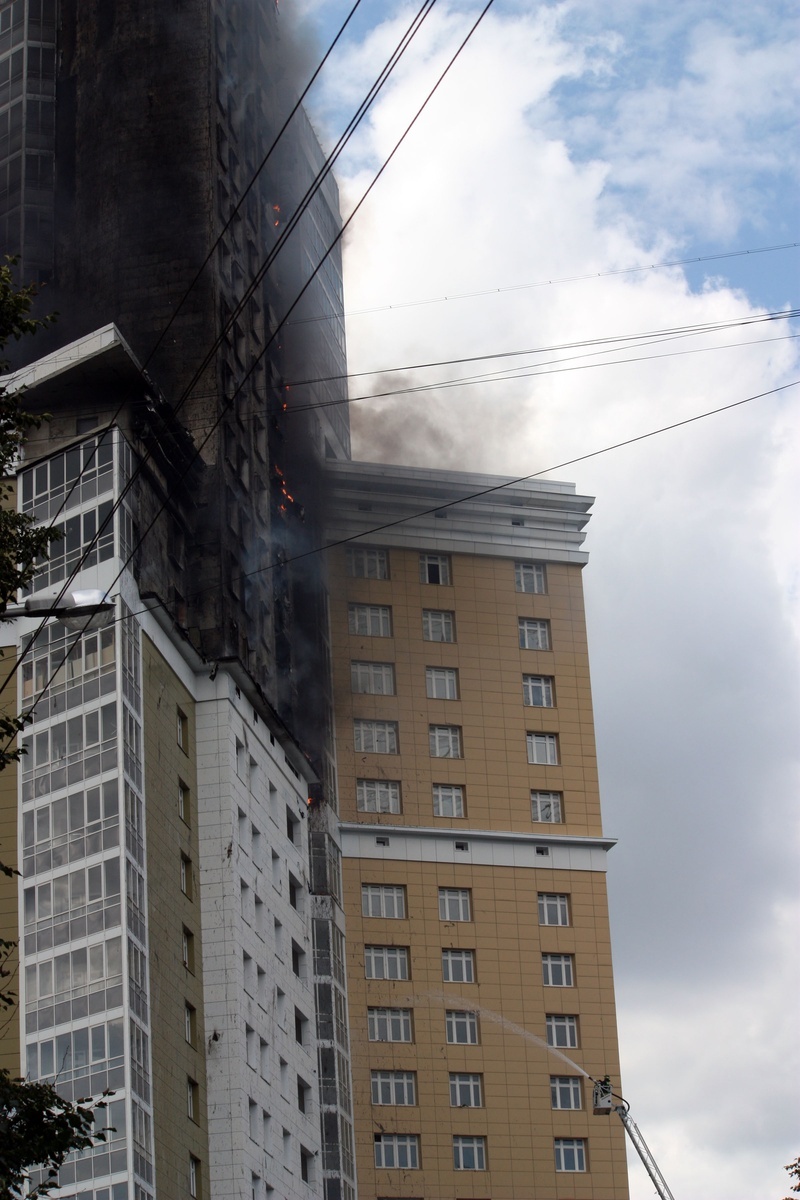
{"type": "Point", "coordinates": [185, 865]}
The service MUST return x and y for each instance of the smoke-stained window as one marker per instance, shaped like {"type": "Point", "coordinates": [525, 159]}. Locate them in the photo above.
{"type": "Point", "coordinates": [378, 795]}
{"type": "Point", "coordinates": [372, 678]}
{"type": "Point", "coordinates": [370, 620]}
{"type": "Point", "coordinates": [367, 562]}
{"type": "Point", "coordinates": [375, 737]}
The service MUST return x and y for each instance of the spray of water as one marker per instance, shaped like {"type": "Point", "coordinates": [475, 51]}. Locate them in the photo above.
{"type": "Point", "coordinates": [490, 1015]}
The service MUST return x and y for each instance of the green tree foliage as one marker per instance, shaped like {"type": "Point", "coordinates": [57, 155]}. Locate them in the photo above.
{"type": "Point", "coordinates": [794, 1172]}
{"type": "Point", "coordinates": [38, 1128]}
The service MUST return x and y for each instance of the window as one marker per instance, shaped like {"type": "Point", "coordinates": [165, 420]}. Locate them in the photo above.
{"type": "Point", "coordinates": [306, 1165]}
{"type": "Point", "coordinates": [378, 795]}
{"type": "Point", "coordinates": [389, 1024]}
{"type": "Point", "coordinates": [570, 1154]}
{"type": "Point", "coordinates": [383, 900]}
{"type": "Point", "coordinates": [394, 1087]}
{"type": "Point", "coordinates": [533, 634]}
{"type": "Point", "coordinates": [187, 949]}
{"type": "Point", "coordinates": [191, 1100]}
{"type": "Point", "coordinates": [458, 966]}
{"type": "Point", "coordinates": [441, 683]}
{"type": "Point", "coordinates": [469, 1153]}
{"type": "Point", "coordinates": [386, 962]}
{"type": "Point", "coordinates": [182, 730]}
{"type": "Point", "coordinates": [466, 1091]}
{"type": "Point", "coordinates": [303, 1095]}
{"type": "Point", "coordinates": [448, 800]}
{"type": "Point", "coordinates": [546, 807]}
{"type": "Point", "coordinates": [557, 970]}
{"type": "Point", "coordinates": [562, 1031]}
{"type": "Point", "coordinates": [530, 577]}
{"type": "Point", "coordinates": [543, 749]}
{"type": "Point", "coordinates": [372, 678]}
{"type": "Point", "coordinates": [565, 1091]}
{"type": "Point", "coordinates": [455, 904]}
{"type": "Point", "coordinates": [553, 908]}
{"type": "Point", "coordinates": [438, 626]}
{"type": "Point", "coordinates": [186, 876]}
{"type": "Point", "coordinates": [370, 620]}
{"type": "Point", "coordinates": [538, 691]}
{"type": "Point", "coordinates": [184, 808]}
{"type": "Point", "coordinates": [461, 1027]}
{"type": "Point", "coordinates": [189, 1023]}
{"type": "Point", "coordinates": [365, 562]}
{"type": "Point", "coordinates": [300, 1027]}
{"type": "Point", "coordinates": [445, 741]}
{"type": "Point", "coordinates": [298, 960]}
{"type": "Point", "coordinates": [434, 568]}
{"type": "Point", "coordinates": [194, 1177]}
{"type": "Point", "coordinates": [397, 1150]}
{"type": "Point", "coordinates": [375, 737]}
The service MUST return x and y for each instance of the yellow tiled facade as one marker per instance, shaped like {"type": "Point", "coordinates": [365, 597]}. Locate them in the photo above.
{"type": "Point", "coordinates": [478, 1119]}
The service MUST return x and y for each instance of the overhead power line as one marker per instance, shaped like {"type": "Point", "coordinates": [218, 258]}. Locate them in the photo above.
{"type": "Point", "coordinates": [326, 255]}
{"type": "Point", "coordinates": [540, 283]}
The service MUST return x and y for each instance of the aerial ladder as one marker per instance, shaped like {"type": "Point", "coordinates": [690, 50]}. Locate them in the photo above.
{"type": "Point", "coordinates": [603, 1104]}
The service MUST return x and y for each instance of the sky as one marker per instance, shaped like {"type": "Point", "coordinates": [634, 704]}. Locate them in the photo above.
{"type": "Point", "coordinates": [568, 144]}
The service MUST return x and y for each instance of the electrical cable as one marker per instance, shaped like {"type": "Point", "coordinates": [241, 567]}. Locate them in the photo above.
{"type": "Point", "coordinates": [250, 185]}
{"type": "Point", "coordinates": [326, 255]}
{"type": "Point", "coordinates": [321, 175]}
{"type": "Point", "coordinates": [673, 331]}
{"type": "Point", "coordinates": [507, 483]}
{"type": "Point", "coordinates": [521, 287]}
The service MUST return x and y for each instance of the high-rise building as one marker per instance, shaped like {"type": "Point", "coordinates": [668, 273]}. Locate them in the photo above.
{"type": "Point", "coordinates": [185, 869]}
{"type": "Point", "coordinates": [146, 185]}
{"type": "Point", "coordinates": [479, 958]}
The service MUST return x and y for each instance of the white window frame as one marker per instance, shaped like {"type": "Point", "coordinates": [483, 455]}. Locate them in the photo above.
{"type": "Point", "coordinates": [534, 634]}
{"type": "Point", "coordinates": [372, 678]}
{"type": "Point", "coordinates": [445, 741]}
{"type": "Point", "coordinates": [397, 1150]}
{"type": "Point", "coordinates": [553, 908]}
{"type": "Point", "coordinates": [448, 800]}
{"type": "Point", "coordinates": [542, 749]}
{"type": "Point", "coordinates": [438, 625]}
{"type": "Point", "coordinates": [457, 1020]}
{"type": "Point", "coordinates": [374, 737]}
{"type": "Point", "coordinates": [367, 562]}
{"type": "Point", "coordinates": [386, 962]}
{"type": "Point", "coordinates": [455, 904]}
{"type": "Point", "coordinates": [392, 1021]}
{"type": "Point", "coordinates": [566, 1092]}
{"type": "Point", "coordinates": [194, 1164]}
{"type": "Point", "coordinates": [378, 795]}
{"type": "Point", "coordinates": [557, 970]}
{"type": "Point", "coordinates": [469, 1153]}
{"type": "Point", "coordinates": [570, 1154]}
{"type": "Point", "coordinates": [383, 900]}
{"type": "Point", "coordinates": [458, 966]}
{"type": "Point", "coordinates": [466, 1090]}
{"type": "Point", "coordinates": [547, 807]}
{"type": "Point", "coordinates": [538, 691]}
{"type": "Point", "coordinates": [437, 565]}
{"type": "Point", "coordinates": [394, 1087]}
{"type": "Point", "coordinates": [530, 577]}
{"type": "Point", "coordinates": [562, 1031]}
{"type": "Point", "coordinates": [441, 683]}
{"type": "Point", "coordinates": [369, 620]}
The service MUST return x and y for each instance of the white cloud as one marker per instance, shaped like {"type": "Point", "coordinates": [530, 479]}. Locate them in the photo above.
{"type": "Point", "coordinates": [514, 175]}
